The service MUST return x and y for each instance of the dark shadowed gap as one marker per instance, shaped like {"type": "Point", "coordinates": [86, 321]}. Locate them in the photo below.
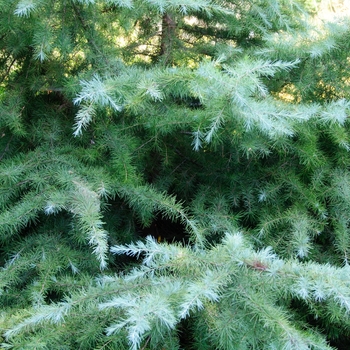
{"type": "Point", "coordinates": [165, 230]}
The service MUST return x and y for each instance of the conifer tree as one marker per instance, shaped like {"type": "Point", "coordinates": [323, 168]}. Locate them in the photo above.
{"type": "Point", "coordinates": [174, 174]}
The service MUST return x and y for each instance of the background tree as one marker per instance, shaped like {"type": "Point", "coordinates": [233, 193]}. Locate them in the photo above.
{"type": "Point", "coordinates": [216, 128]}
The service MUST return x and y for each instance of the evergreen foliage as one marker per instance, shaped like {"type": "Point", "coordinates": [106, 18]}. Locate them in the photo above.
{"type": "Point", "coordinates": [174, 174]}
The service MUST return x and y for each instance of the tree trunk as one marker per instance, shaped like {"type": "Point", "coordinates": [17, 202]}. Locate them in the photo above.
{"type": "Point", "coordinates": [167, 39]}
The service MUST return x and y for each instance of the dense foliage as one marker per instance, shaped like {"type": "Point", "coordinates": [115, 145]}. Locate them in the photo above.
{"type": "Point", "coordinates": [174, 175]}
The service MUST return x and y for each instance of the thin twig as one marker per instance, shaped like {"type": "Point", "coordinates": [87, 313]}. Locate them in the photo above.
{"type": "Point", "coordinates": [6, 148]}
{"type": "Point", "coordinates": [85, 28]}
{"type": "Point", "coordinates": [8, 70]}
{"type": "Point", "coordinates": [147, 341]}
